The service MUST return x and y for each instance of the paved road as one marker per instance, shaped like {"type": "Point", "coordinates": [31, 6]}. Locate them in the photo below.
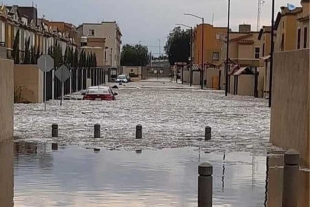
{"type": "Point", "coordinates": [172, 116]}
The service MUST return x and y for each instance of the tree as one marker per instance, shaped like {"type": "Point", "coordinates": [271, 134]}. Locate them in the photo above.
{"type": "Point", "coordinates": [75, 63]}
{"type": "Point", "coordinates": [178, 45]}
{"type": "Point", "coordinates": [27, 58]}
{"type": "Point", "coordinates": [56, 53]}
{"type": "Point", "coordinates": [137, 55]}
{"type": "Point", "coordinates": [15, 52]}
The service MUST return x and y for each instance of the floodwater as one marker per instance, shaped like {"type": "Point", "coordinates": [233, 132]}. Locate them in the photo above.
{"type": "Point", "coordinates": [73, 176]}
{"type": "Point", "coordinates": [172, 116]}
{"type": "Point", "coordinates": [159, 170]}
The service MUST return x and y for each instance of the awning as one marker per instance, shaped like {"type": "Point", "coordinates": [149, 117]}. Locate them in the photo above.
{"type": "Point", "coordinates": [243, 69]}
{"type": "Point", "coordinates": [266, 57]}
{"type": "Point", "coordinates": [238, 72]}
{"type": "Point", "coordinates": [233, 69]}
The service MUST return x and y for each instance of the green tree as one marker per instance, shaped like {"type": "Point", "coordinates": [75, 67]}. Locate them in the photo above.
{"type": "Point", "coordinates": [75, 63]}
{"type": "Point", "coordinates": [95, 60]}
{"type": "Point", "coordinates": [136, 55]}
{"type": "Point", "coordinates": [27, 58]}
{"type": "Point", "coordinates": [15, 51]}
{"type": "Point", "coordinates": [178, 45]}
{"type": "Point", "coordinates": [56, 53]}
{"type": "Point", "coordinates": [33, 56]}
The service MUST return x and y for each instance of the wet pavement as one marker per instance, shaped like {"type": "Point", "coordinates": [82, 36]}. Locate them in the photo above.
{"type": "Point", "coordinates": [172, 116]}
{"type": "Point", "coordinates": [74, 176]}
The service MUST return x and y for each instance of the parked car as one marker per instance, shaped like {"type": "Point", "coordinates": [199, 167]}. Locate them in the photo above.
{"type": "Point", "coordinates": [99, 93]}
{"type": "Point", "coordinates": [123, 78]}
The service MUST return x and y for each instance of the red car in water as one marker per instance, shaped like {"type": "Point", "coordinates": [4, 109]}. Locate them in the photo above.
{"type": "Point", "coordinates": [99, 93]}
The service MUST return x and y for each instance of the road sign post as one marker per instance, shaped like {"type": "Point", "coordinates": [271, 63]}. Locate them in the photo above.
{"type": "Point", "coordinates": [63, 74]}
{"type": "Point", "coordinates": [45, 63]}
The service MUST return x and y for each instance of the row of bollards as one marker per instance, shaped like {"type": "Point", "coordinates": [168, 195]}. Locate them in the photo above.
{"type": "Point", "coordinates": [290, 181]}
{"type": "Point", "coordinates": [97, 129]}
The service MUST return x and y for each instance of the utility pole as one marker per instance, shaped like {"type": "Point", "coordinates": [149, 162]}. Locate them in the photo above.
{"type": "Point", "coordinates": [227, 51]}
{"type": "Point", "coordinates": [271, 52]}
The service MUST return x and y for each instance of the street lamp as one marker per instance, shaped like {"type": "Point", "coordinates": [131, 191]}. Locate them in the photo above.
{"type": "Point", "coordinates": [202, 38]}
{"type": "Point", "coordinates": [227, 50]}
{"type": "Point", "coordinates": [191, 53]}
{"type": "Point", "coordinates": [271, 51]}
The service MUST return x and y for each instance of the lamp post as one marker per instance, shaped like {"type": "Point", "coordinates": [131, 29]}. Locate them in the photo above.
{"type": "Point", "coordinates": [191, 53]}
{"type": "Point", "coordinates": [271, 52]}
{"type": "Point", "coordinates": [227, 50]}
{"type": "Point", "coordinates": [202, 39]}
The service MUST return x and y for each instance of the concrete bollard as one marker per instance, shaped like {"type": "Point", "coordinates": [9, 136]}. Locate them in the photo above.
{"type": "Point", "coordinates": [55, 130]}
{"type": "Point", "coordinates": [97, 131]}
{"type": "Point", "coordinates": [208, 133]}
{"type": "Point", "coordinates": [139, 131]}
{"type": "Point", "coordinates": [290, 179]}
{"type": "Point", "coordinates": [205, 185]}
{"type": "Point", "coordinates": [54, 146]}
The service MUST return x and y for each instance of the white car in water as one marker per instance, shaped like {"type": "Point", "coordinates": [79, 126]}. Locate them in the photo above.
{"type": "Point", "coordinates": [123, 79]}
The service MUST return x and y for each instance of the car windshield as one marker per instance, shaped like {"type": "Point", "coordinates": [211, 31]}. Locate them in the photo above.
{"type": "Point", "coordinates": [98, 91]}
{"type": "Point", "coordinates": [121, 77]}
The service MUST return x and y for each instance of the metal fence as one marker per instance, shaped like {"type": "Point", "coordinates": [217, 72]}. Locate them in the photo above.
{"type": "Point", "coordinates": [76, 82]}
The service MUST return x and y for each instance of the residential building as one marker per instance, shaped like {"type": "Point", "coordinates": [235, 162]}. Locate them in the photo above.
{"type": "Point", "coordinates": [265, 48]}
{"type": "Point", "coordinates": [286, 29]}
{"type": "Point", "coordinates": [111, 32]}
{"type": "Point", "coordinates": [212, 45]}
{"type": "Point", "coordinates": [64, 29]}
{"type": "Point", "coordinates": [303, 26]}
{"type": "Point", "coordinates": [37, 31]}
{"type": "Point", "coordinates": [244, 47]}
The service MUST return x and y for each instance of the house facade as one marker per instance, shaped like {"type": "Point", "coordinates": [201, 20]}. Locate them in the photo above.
{"type": "Point", "coordinates": [213, 37]}
{"type": "Point", "coordinates": [111, 32]}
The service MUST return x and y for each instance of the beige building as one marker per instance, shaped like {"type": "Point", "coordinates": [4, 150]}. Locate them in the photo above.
{"type": "Point", "coordinates": [303, 25]}
{"type": "Point", "coordinates": [286, 29]}
{"type": "Point", "coordinates": [110, 31]}
{"type": "Point", "coordinates": [244, 47]}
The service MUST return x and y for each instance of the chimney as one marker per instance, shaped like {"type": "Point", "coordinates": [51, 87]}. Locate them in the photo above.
{"type": "Point", "coordinates": [244, 28]}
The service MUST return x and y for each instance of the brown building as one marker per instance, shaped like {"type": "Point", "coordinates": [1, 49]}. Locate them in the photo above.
{"type": "Point", "coordinates": [264, 70]}
{"type": "Point", "coordinates": [213, 38]}
{"type": "Point", "coordinates": [244, 47]}
{"type": "Point", "coordinates": [286, 29]}
{"type": "Point", "coordinates": [96, 46]}
{"type": "Point", "coordinates": [303, 25]}
{"type": "Point", "coordinates": [67, 30]}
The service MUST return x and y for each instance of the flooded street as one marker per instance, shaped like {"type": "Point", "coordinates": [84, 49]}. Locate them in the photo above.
{"type": "Point", "coordinates": [159, 170]}
{"type": "Point", "coordinates": [171, 117]}
{"type": "Point", "coordinates": [74, 176]}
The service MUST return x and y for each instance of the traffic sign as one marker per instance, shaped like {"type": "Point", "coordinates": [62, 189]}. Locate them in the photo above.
{"type": "Point", "coordinates": [45, 63]}
{"type": "Point", "coordinates": [62, 73]}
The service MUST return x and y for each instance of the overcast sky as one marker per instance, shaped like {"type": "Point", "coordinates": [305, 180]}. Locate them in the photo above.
{"type": "Point", "coordinates": [149, 21]}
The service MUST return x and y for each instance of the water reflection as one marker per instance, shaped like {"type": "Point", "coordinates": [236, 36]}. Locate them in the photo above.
{"type": "Point", "coordinates": [80, 177]}
{"type": "Point", "coordinates": [6, 174]}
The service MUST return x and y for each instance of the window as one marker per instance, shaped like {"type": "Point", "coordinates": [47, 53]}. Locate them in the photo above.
{"type": "Point", "coordinates": [216, 56]}
{"type": "Point", "coordinates": [282, 43]}
{"type": "Point", "coordinates": [298, 38]}
{"type": "Point", "coordinates": [305, 37]}
{"type": "Point", "coordinates": [257, 51]}
{"type": "Point", "coordinates": [91, 32]}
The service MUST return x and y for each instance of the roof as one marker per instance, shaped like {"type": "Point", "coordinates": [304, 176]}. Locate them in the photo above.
{"type": "Point", "coordinates": [264, 30]}
{"type": "Point", "coordinates": [241, 37]}
{"type": "Point", "coordinates": [233, 69]}
{"type": "Point", "coordinates": [241, 70]}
